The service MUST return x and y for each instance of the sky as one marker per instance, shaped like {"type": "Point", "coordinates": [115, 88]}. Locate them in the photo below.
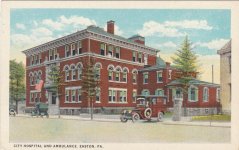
{"type": "Point", "coordinates": [163, 29]}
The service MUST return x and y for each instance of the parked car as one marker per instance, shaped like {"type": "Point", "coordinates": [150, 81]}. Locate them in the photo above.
{"type": "Point", "coordinates": [148, 107]}
{"type": "Point", "coordinates": [41, 109]}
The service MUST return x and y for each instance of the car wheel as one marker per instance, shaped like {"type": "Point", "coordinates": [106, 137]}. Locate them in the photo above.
{"type": "Point", "coordinates": [123, 119]}
{"type": "Point", "coordinates": [148, 113]}
{"type": "Point", "coordinates": [160, 116]}
{"type": "Point", "coordinates": [135, 117]}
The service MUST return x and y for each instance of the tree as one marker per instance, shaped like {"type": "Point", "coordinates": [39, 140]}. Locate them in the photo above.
{"type": "Point", "coordinates": [186, 64]}
{"type": "Point", "coordinates": [17, 84]}
{"type": "Point", "coordinates": [56, 80]}
{"type": "Point", "coordinates": [90, 82]}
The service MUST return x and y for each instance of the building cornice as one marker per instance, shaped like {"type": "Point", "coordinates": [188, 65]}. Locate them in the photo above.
{"type": "Point", "coordinates": [91, 35]}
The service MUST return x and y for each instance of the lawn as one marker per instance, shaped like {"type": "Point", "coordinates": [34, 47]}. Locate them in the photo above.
{"type": "Point", "coordinates": [212, 118]}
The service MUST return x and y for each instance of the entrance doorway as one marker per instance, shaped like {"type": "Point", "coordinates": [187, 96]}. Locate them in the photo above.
{"type": "Point", "coordinates": [53, 98]}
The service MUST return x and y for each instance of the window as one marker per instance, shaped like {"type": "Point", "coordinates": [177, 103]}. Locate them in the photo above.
{"type": "Point", "coordinates": [51, 54]}
{"type": "Point", "coordinates": [140, 58]}
{"type": "Point", "coordinates": [73, 49]}
{"type": "Point", "coordinates": [205, 94]}
{"type": "Point", "coordinates": [117, 52]}
{"type": "Point", "coordinates": [97, 98]}
{"type": "Point", "coordinates": [73, 72]}
{"type": "Point", "coordinates": [134, 56]}
{"type": "Point", "coordinates": [218, 94]}
{"type": "Point", "coordinates": [145, 92]}
{"type": "Point", "coordinates": [67, 96]}
{"type": "Point", "coordinates": [79, 71]}
{"type": "Point", "coordinates": [134, 72]}
{"type": "Point", "coordinates": [110, 72]}
{"type": "Point", "coordinates": [102, 49]}
{"type": "Point", "coordinates": [73, 95]}
{"type": "Point", "coordinates": [117, 76]}
{"type": "Point", "coordinates": [97, 71]}
{"type": "Point", "coordinates": [67, 74]}
{"type": "Point", "coordinates": [35, 97]}
{"type": "Point", "coordinates": [145, 78]}
{"type": "Point", "coordinates": [134, 96]}
{"type": "Point", "coordinates": [32, 60]}
{"type": "Point", "coordinates": [36, 59]}
{"type": "Point", "coordinates": [67, 51]}
{"type": "Point", "coordinates": [170, 74]}
{"type": "Point", "coordinates": [55, 54]}
{"type": "Point", "coordinates": [193, 94]}
{"type": "Point", "coordinates": [79, 47]}
{"type": "Point", "coordinates": [110, 96]}
{"type": "Point", "coordinates": [110, 50]}
{"type": "Point", "coordinates": [122, 96]}
{"type": "Point", "coordinates": [159, 92]}
{"type": "Point", "coordinates": [125, 71]}
{"type": "Point", "coordinates": [32, 97]}
{"type": "Point", "coordinates": [79, 95]}
{"type": "Point", "coordinates": [39, 56]}
{"type": "Point", "coordinates": [159, 77]}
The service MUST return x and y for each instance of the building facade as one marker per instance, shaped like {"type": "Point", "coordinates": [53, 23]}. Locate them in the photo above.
{"type": "Point", "coordinates": [125, 67]}
{"type": "Point", "coordinates": [225, 77]}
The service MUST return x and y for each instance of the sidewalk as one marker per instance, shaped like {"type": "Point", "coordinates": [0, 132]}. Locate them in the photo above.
{"type": "Point", "coordinates": [116, 118]}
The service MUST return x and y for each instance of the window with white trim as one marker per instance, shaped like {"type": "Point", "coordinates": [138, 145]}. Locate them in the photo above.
{"type": "Point", "coordinates": [122, 96]}
{"type": "Point", "coordinates": [67, 95]}
{"type": "Point", "coordinates": [134, 56]}
{"type": "Point", "coordinates": [79, 95]}
{"type": "Point", "coordinates": [79, 71]}
{"type": "Point", "coordinates": [102, 49]}
{"type": "Point", "coordinates": [117, 52]}
{"type": "Point", "coordinates": [55, 54]}
{"type": "Point", "coordinates": [159, 92]}
{"type": "Point", "coordinates": [140, 57]}
{"type": "Point", "coordinates": [159, 76]}
{"type": "Point", "coordinates": [193, 94]}
{"type": "Point", "coordinates": [51, 54]}
{"type": "Point", "coordinates": [110, 73]}
{"type": "Point", "coordinates": [67, 51]}
{"type": "Point", "coordinates": [205, 94]}
{"type": "Point", "coordinates": [39, 56]}
{"type": "Point", "coordinates": [117, 74]}
{"type": "Point", "coordinates": [97, 68]}
{"type": "Point", "coordinates": [145, 92]}
{"type": "Point", "coordinates": [145, 77]}
{"type": "Point", "coordinates": [110, 50]}
{"type": "Point", "coordinates": [97, 95]}
{"type": "Point", "coordinates": [79, 47]}
{"type": "Point", "coordinates": [32, 97]}
{"type": "Point", "coordinates": [73, 95]}
{"type": "Point", "coordinates": [73, 49]}
{"type": "Point", "coordinates": [67, 73]}
{"type": "Point", "coordinates": [134, 72]}
{"type": "Point", "coordinates": [125, 71]}
{"type": "Point", "coordinates": [73, 72]}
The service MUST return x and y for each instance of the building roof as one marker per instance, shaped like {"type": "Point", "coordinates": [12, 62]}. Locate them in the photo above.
{"type": "Point", "coordinates": [192, 82]}
{"type": "Point", "coordinates": [225, 49]}
{"type": "Point", "coordinates": [160, 64]}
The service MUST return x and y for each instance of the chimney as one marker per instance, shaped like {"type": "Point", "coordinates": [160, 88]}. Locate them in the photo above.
{"type": "Point", "coordinates": [138, 39]}
{"type": "Point", "coordinates": [111, 27]}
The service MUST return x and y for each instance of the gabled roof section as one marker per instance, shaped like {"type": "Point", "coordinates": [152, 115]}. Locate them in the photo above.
{"type": "Point", "coordinates": [160, 64]}
{"type": "Point", "coordinates": [193, 82]}
{"type": "Point", "coordinates": [225, 49]}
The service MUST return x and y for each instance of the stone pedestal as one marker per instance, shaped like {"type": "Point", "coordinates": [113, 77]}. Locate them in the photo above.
{"type": "Point", "coordinates": [177, 109]}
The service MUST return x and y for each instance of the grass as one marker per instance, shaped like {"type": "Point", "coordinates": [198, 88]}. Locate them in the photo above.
{"type": "Point", "coordinates": [212, 118]}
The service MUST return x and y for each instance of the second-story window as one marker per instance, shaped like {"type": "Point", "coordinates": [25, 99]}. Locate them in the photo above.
{"type": "Point", "coordinates": [110, 72]}
{"type": "Point", "coordinates": [73, 72]}
{"type": "Point", "coordinates": [79, 47]}
{"type": "Point", "coordinates": [145, 78]}
{"type": "Point", "coordinates": [51, 54]}
{"type": "Point", "coordinates": [134, 72]}
{"type": "Point", "coordinates": [117, 52]}
{"type": "Point", "coordinates": [79, 71]}
{"type": "Point", "coordinates": [134, 56]}
{"type": "Point", "coordinates": [140, 58]}
{"type": "Point", "coordinates": [67, 51]}
{"type": "Point", "coordinates": [125, 71]}
{"type": "Point", "coordinates": [55, 54]}
{"type": "Point", "coordinates": [110, 50]}
{"type": "Point", "coordinates": [102, 49]}
{"type": "Point", "coordinates": [73, 49]}
{"type": "Point", "coordinates": [39, 56]}
{"type": "Point", "coordinates": [159, 77]}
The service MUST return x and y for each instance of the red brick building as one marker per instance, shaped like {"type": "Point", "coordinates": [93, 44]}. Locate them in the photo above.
{"type": "Point", "coordinates": [126, 68]}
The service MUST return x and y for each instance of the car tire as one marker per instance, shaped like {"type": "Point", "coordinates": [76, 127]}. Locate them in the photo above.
{"type": "Point", "coordinates": [160, 117]}
{"type": "Point", "coordinates": [148, 113]}
{"type": "Point", "coordinates": [123, 119]}
{"type": "Point", "coordinates": [135, 117]}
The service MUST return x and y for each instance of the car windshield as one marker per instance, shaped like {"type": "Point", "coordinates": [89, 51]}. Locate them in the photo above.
{"type": "Point", "coordinates": [141, 102]}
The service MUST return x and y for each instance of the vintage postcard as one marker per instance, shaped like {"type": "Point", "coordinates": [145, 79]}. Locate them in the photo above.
{"type": "Point", "coordinates": [119, 75]}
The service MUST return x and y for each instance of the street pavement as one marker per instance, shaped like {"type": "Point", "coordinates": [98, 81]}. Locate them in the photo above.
{"type": "Point", "coordinates": [116, 118]}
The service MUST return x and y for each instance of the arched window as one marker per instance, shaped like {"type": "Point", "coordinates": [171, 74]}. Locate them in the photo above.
{"type": "Point", "coordinates": [110, 72]}
{"type": "Point", "coordinates": [67, 74]}
{"type": "Point", "coordinates": [159, 92]}
{"type": "Point", "coordinates": [134, 72]}
{"type": "Point", "coordinates": [205, 94]}
{"type": "Point", "coordinates": [97, 94]}
{"type": "Point", "coordinates": [73, 72]}
{"type": "Point", "coordinates": [35, 77]}
{"type": "Point", "coordinates": [125, 72]}
{"type": "Point", "coordinates": [145, 92]}
{"type": "Point", "coordinates": [118, 69]}
{"type": "Point", "coordinates": [79, 70]}
{"type": "Point", "coordinates": [97, 68]}
{"type": "Point", "coordinates": [39, 76]}
{"type": "Point", "coordinates": [193, 94]}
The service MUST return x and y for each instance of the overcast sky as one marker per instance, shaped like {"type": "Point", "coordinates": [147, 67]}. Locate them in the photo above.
{"type": "Point", "coordinates": [208, 30]}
